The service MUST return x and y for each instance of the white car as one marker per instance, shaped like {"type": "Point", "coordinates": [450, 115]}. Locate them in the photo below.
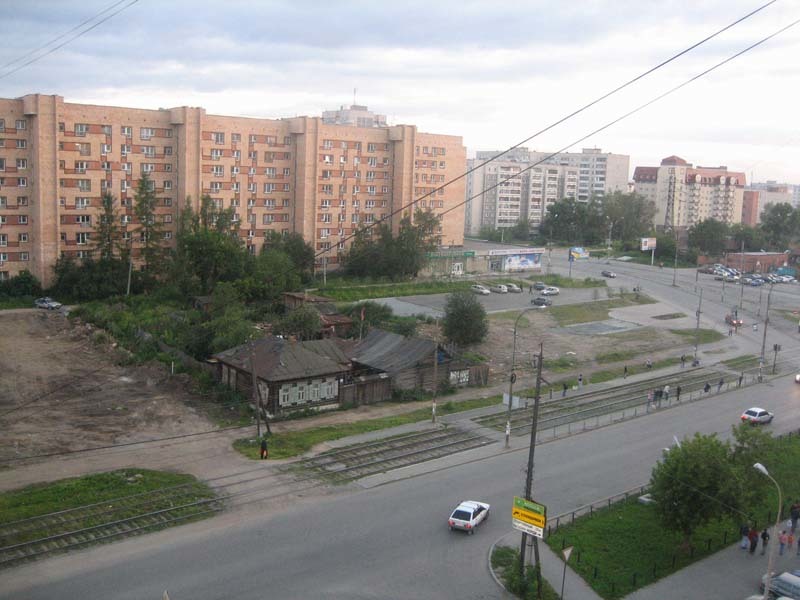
{"type": "Point", "coordinates": [499, 288]}
{"type": "Point", "coordinates": [468, 515]}
{"type": "Point", "coordinates": [550, 291]}
{"type": "Point", "coordinates": [756, 416]}
{"type": "Point", "coordinates": [513, 288]}
{"type": "Point", "coordinates": [47, 303]}
{"type": "Point", "coordinates": [480, 289]}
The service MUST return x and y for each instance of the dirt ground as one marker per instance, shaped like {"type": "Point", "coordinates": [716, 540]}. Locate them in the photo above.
{"type": "Point", "coordinates": [62, 391]}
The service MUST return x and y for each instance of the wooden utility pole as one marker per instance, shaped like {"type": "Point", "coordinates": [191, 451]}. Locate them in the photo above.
{"type": "Point", "coordinates": [256, 396]}
{"type": "Point", "coordinates": [529, 480]}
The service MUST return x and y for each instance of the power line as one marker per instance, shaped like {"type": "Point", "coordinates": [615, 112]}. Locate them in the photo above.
{"type": "Point", "coordinates": [55, 39]}
{"type": "Point", "coordinates": [549, 127]}
{"type": "Point", "coordinates": [72, 38]}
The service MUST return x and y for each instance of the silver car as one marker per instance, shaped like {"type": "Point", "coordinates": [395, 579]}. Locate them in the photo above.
{"type": "Point", "coordinates": [480, 289]}
{"type": "Point", "coordinates": [468, 515]}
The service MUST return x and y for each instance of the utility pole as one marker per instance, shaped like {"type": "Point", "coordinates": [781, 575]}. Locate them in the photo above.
{"type": "Point", "coordinates": [675, 267]}
{"type": "Point", "coordinates": [775, 348]}
{"type": "Point", "coordinates": [130, 265]}
{"type": "Point", "coordinates": [324, 270]}
{"type": "Point", "coordinates": [764, 337]}
{"type": "Point", "coordinates": [741, 274]}
{"type": "Point", "coordinates": [256, 395]}
{"type": "Point", "coordinates": [512, 377]}
{"type": "Point", "coordinates": [529, 479]}
{"type": "Point", "coordinates": [435, 377]}
{"type": "Point", "coordinates": [697, 328]}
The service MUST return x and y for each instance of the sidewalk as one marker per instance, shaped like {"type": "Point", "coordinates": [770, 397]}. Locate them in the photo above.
{"type": "Point", "coordinates": [575, 588]}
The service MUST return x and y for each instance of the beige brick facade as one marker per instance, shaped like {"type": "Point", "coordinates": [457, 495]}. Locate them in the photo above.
{"type": "Point", "coordinates": [286, 175]}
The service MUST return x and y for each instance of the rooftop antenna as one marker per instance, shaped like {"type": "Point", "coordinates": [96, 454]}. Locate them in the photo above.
{"type": "Point", "coordinates": [354, 95]}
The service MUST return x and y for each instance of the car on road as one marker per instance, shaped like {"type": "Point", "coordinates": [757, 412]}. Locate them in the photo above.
{"type": "Point", "coordinates": [480, 289]}
{"type": "Point", "coordinates": [513, 288]}
{"type": "Point", "coordinates": [608, 274]}
{"type": "Point", "coordinates": [734, 321]}
{"type": "Point", "coordinates": [47, 303]}
{"type": "Point", "coordinates": [784, 585]}
{"type": "Point", "coordinates": [539, 285]}
{"type": "Point", "coordinates": [757, 283]}
{"type": "Point", "coordinates": [797, 378]}
{"type": "Point", "coordinates": [499, 288]}
{"type": "Point", "coordinates": [550, 291]}
{"type": "Point", "coordinates": [468, 515]}
{"type": "Point", "coordinates": [757, 416]}
{"type": "Point", "coordinates": [542, 301]}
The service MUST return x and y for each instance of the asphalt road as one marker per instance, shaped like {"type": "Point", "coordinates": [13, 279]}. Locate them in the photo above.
{"type": "Point", "coordinates": [386, 542]}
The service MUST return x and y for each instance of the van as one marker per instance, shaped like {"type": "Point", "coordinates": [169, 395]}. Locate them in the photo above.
{"type": "Point", "coordinates": [784, 584]}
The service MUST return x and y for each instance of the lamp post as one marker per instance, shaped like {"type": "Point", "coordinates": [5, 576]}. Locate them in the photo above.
{"type": "Point", "coordinates": [764, 337]}
{"type": "Point", "coordinates": [763, 470]}
{"type": "Point", "coordinates": [512, 377]}
{"type": "Point", "coordinates": [675, 266]}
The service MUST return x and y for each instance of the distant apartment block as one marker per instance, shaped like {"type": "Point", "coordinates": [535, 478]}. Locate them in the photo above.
{"type": "Point", "coordinates": [356, 116]}
{"type": "Point", "coordinates": [535, 181]}
{"type": "Point", "coordinates": [685, 195]}
{"type": "Point", "coordinates": [285, 175]}
{"type": "Point", "coordinates": [772, 192]}
{"type": "Point", "coordinates": [750, 208]}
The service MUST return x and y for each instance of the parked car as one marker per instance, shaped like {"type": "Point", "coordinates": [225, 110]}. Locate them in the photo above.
{"type": "Point", "coordinates": [480, 289]}
{"type": "Point", "coordinates": [733, 321]}
{"type": "Point", "coordinates": [785, 584]}
{"type": "Point", "coordinates": [708, 270]}
{"type": "Point", "coordinates": [757, 283]}
{"type": "Point", "coordinates": [550, 291]}
{"type": "Point", "coordinates": [47, 303]}
{"type": "Point", "coordinates": [797, 378]}
{"type": "Point", "coordinates": [513, 288]}
{"type": "Point", "coordinates": [539, 285]}
{"type": "Point", "coordinates": [608, 274]}
{"type": "Point", "coordinates": [499, 288]}
{"type": "Point", "coordinates": [542, 301]}
{"type": "Point", "coordinates": [468, 515]}
{"type": "Point", "coordinates": [747, 280]}
{"type": "Point", "coordinates": [731, 278]}
{"type": "Point", "coordinates": [757, 416]}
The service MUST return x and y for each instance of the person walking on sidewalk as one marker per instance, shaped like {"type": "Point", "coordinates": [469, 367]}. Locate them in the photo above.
{"type": "Point", "coordinates": [753, 537]}
{"type": "Point", "coordinates": [666, 393]}
{"type": "Point", "coordinates": [625, 372]}
{"type": "Point", "coordinates": [264, 449]}
{"type": "Point", "coordinates": [564, 390]}
{"type": "Point", "coordinates": [706, 387]}
{"type": "Point", "coordinates": [648, 363]}
{"type": "Point", "coordinates": [678, 394]}
{"type": "Point", "coordinates": [782, 540]}
{"type": "Point", "coordinates": [720, 384]}
{"type": "Point", "coordinates": [580, 381]}
{"type": "Point", "coordinates": [744, 531]}
{"type": "Point", "coordinates": [683, 360]}
{"type": "Point", "coordinates": [764, 540]}
{"type": "Point", "coordinates": [741, 377]}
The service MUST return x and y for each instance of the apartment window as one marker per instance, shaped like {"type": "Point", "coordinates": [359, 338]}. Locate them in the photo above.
{"type": "Point", "coordinates": [2, 220]}
{"type": "Point", "coordinates": [326, 218]}
{"type": "Point", "coordinates": [22, 163]}
{"type": "Point", "coordinates": [168, 184]}
{"type": "Point", "coordinates": [126, 130]}
{"type": "Point", "coordinates": [168, 201]}
{"type": "Point", "coordinates": [271, 140]}
{"type": "Point", "coordinates": [251, 218]}
{"type": "Point", "coordinates": [81, 166]}
{"type": "Point", "coordinates": [370, 175]}
{"type": "Point", "coordinates": [269, 188]}
{"type": "Point", "coordinates": [371, 190]}
{"type": "Point", "coordinates": [286, 171]}
{"type": "Point", "coordinates": [3, 240]}
{"type": "Point", "coordinates": [354, 218]}
{"type": "Point", "coordinates": [146, 133]}
{"type": "Point", "coordinates": [252, 155]}
{"type": "Point", "coordinates": [327, 144]}
{"type": "Point", "coordinates": [167, 235]}
{"type": "Point", "coordinates": [385, 190]}
{"type": "Point", "coordinates": [21, 124]}
{"type": "Point", "coordinates": [123, 185]}
{"type": "Point", "coordinates": [356, 189]}
{"type": "Point", "coordinates": [3, 125]}
{"type": "Point", "coordinates": [217, 170]}
{"type": "Point", "coordinates": [267, 219]}
{"type": "Point", "coordinates": [216, 186]}
{"type": "Point", "coordinates": [216, 153]}
{"type": "Point", "coordinates": [236, 137]}
{"type": "Point", "coordinates": [235, 187]}
{"type": "Point", "coordinates": [83, 219]}
{"type": "Point", "coordinates": [253, 139]}
{"type": "Point", "coordinates": [149, 151]}
{"type": "Point", "coordinates": [105, 148]}
{"type": "Point", "coordinates": [151, 185]}
{"type": "Point", "coordinates": [3, 258]}
{"type": "Point", "coordinates": [237, 154]}
{"type": "Point", "coordinates": [22, 201]}
{"type": "Point", "coordinates": [22, 182]}
{"type": "Point", "coordinates": [369, 218]}
{"type": "Point", "coordinates": [327, 159]}
{"type": "Point", "coordinates": [23, 238]}
{"type": "Point", "coordinates": [251, 203]}
{"type": "Point", "coordinates": [372, 161]}
{"type": "Point", "coordinates": [81, 202]}
{"type": "Point", "coordinates": [287, 139]}
{"type": "Point", "coordinates": [356, 204]}
{"type": "Point", "coordinates": [2, 164]}
{"type": "Point", "coordinates": [167, 168]}
{"type": "Point", "coordinates": [128, 167]}
{"type": "Point", "coordinates": [370, 204]}
{"type": "Point", "coordinates": [327, 189]}
{"type": "Point", "coordinates": [167, 219]}
{"type": "Point", "coordinates": [81, 129]}
{"type": "Point", "coordinates": [125, 219]}
{"type": "Point", "coordinates": [3, 202]}
{"type": "Point", "coordinates": [323, 233]}
{"type": "Point", "coordinates": [22, 144]}
{"type": "Point", "coordinates": [82, 238]}
{"type": "Point", "coordinates": [269, 203]}
{"type": "Point", "coordinates": [370, 147]}
{"type": "Point", "coordinates": [269, 171]}
{"type": "Point", "coordinates": [148, 167]}
{"type": "Point", "coordinates": [167, 150]}
{"type": "Point", "coordinates": [218, 138]}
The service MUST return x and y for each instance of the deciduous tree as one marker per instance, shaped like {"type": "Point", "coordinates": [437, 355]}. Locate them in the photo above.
{"type": "Point", "coordinates": [465, 320]}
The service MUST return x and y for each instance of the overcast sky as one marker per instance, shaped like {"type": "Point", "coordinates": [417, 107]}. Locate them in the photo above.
{"type": "Point", "coordinates": [493, 71]}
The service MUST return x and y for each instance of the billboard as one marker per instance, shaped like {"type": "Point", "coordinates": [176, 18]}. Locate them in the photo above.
{"type": "Point", "coordinates": [577, 252]}
{"type": "Point", "coordinates": [522, 262]}
{"type": "Point", "coordinates": [648, 244]}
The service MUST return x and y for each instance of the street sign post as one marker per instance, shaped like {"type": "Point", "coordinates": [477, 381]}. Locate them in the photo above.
{"type": "Point", "coordinates": [529, 517]}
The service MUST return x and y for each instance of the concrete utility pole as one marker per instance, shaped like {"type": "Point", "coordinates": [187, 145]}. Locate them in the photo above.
{"type": "Point", "coordinates": [675, 266]}
{"type": "Point", "coordinates": [764, 337]}
{"type": "Point", "coordinates": [741, 274]}
{"type": "Point", "coordinates": [255, 394]}
{"type": "Point", "coordinates": [529, 478]}
{"type": "Point", "coordinates": [697, 327]}
{"type": "Point", "coordinates": [512, 377]}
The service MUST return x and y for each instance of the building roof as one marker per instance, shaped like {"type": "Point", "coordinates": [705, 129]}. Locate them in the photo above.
{"type": "Point", "coordinates": [392, 352]}
{"type": "Point", "coordinates": [675, 161]}
{"type": "Point", "coordinates": [335, 349]}
{"type": "Point", "coordinates": [649, 174]}
{"type": "Point", "coordinates": [278, 359]}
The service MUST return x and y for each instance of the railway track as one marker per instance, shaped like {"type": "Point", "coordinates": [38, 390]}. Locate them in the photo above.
{"type": "Point", "coordinates": [361, 460]}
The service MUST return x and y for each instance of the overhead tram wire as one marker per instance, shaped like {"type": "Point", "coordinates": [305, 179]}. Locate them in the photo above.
{"type": "Point", "coordinates": [602, 128]}
{"type": "Point", "coordinates": [63, 35]}
{"type": "Point", "coordinates": [549, 127]}
{"type": "Point", "coordinates": [64, 43]}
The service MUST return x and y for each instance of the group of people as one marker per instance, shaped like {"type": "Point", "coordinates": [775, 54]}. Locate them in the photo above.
{"type": "Point", "coordinates": [786, 538]}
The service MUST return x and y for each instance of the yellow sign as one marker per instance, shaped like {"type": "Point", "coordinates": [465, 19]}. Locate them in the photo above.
{"type": "Point", "coordinates": [529, 512]}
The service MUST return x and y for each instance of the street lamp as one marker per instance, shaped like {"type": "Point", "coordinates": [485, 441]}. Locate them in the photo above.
{"type": "Point", "coordinates": [763, 470]}
{"type": "Point", "coordinates": [513, 376]}
{"type": "Point", "coordinates": [608, 240]}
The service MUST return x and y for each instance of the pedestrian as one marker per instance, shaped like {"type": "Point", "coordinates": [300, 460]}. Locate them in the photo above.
{"type": "Point", "coordinates": [683, 360]}
{"type": "Point", "coordinates": [789, 540]}
{"type": "Point", "coordinates": [666, 392]}
{"type": "Point", "coordinates": [764, 540]}
{"type": "Point", "coordinates": [706, 387]}
{"type": "Point", "coordinates": [744, 530]}
{"type": "Point", "coordinates": [564, 390]}
{"type": "Point", "coordinates": [720, 384]}
{"type": "Point", "coordinates": [580, 381]}
{"type": "Point", "coordinates": [264, 449]}
{"type": "Point", "coordinates": [782, 540]}
{"type": "Point", "coordinates": [730, 331]}
{"type": "Point", "coordinates": [678, 394]}
{"type": "Point", "coordinates": [753, 537]}
{"type": "Point", "coordinates": [530, 289]}
{"type": "Point", "coordinates": [648, 363]}
{"type": "Point", "coordinates": [741, 377]}
{"type": "Point", "coordinates": [794, 514]}
{"type": "Point", "coordinates": [625, 372]}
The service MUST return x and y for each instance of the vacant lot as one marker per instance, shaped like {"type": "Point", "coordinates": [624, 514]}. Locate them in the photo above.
{"type": "Point", "coordinates": [62, 390]}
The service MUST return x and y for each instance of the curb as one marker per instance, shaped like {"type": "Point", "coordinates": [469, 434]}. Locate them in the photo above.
{"type": "Point", "coordinates": [491, 570]}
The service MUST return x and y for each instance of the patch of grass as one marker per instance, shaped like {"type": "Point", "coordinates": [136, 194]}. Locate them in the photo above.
{"type": "Point", "coordinates": [704, 336]}
{"type": "Point", "coordinates": [568, 282]}
{"type": "Point", "coordinates": [560, 364]}
{"type": "Point", "coordinates": [349, 291]}
{"type": "Point", "coordinates": [41, 499]}
{"type": "Point", "coordinates": [746, 361]}
{"type": "Point", "coordinates": [609, 374]}
{"type": "Point", "coordinates": [473, 357]}
{"type": "Point", "coordinates": [510, 315]}
{"type": "Point", "coordinates": [669, 316]}
{"type": "Point", "coordinates": [616, 356]}
{"type": "Point", "coordinates": [572, 314]}
{"type": "Point", "coordinates": [505, 562]}
{"type": "Point", "coordinates": [295, 443]}
{"type": "Point", "coordinates": [7, 302]}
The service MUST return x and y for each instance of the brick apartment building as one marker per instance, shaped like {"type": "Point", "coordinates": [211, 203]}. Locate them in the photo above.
{"type": "Point", "coordinates": [299, 174]}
